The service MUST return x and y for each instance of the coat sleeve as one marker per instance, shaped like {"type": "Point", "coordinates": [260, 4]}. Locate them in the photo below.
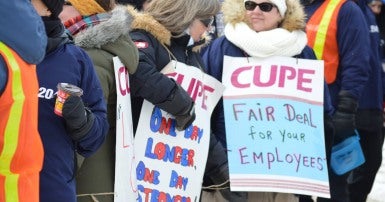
{"type": "Point", "coordinates": [93, 99]}
{"type": "Point", "coordinates": [148, 83]}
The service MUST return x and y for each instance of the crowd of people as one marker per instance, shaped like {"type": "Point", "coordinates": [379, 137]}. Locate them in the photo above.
{"type": "Point", "coordinates": [46, 156]}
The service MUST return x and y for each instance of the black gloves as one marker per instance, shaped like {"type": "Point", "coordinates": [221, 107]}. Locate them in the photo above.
{"type": "Point", "coordinates": [344, 118]}
{"type": "Point", "coordinates": [79, 119]}
{"type": "Point", "coordinates": [181, 106]}
{"type": "Point", "coordinates": [185, 120]}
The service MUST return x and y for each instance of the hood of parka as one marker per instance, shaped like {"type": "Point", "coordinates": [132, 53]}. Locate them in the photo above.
{"type": "Point", "coordinates": [118, 25]}
{"type": "Point", "coordinates": [295, 18]}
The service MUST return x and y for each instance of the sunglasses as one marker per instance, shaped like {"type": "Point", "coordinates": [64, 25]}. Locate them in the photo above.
{"type": "Point", "coordinates": [207, 22]}
{"type": "Point", "coordinates": [265, 6]}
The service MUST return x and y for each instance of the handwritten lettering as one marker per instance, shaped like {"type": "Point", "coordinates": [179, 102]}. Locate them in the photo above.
{"type": "Point", "coordinates": [303, 118]}
{"type": "Point", "coordinates": [195, 88]}
{"type": "Point", "coordinates": [275, 157]}
{"type": "Point", "coordinates": [258, 113]}
{"type": "Point", "coordinates": [176, 154]}
{"type": "Point", "coordinates": [147, 175]}
{"type": "Point", "coordinates": [155, 195]}
{"type": "Point", "coordinates": [178, 181]}
{"type": "Point", "coordinates": [262, 135]}
{"type": "Point", "coordinates": [193, 133]}
{"type": "Point", "coordinates": [124, 88]}
{"type": "Point", "coordinates": [279, 76]}
{"type": "Point", "coordinates": [158, 123]}
{"type": "Point", "coordinates": [292, 135]}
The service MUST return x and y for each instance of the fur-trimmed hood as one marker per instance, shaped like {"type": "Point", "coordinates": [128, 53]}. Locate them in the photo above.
{"type": "Point", "coordinates": [234, 12]}
{"type": "Point", "coordinates": [108, 31]}
{"type": "Point", "coordinates": [146, 22]}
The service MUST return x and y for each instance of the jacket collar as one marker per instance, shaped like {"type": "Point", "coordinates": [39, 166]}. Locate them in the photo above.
{"type": "Point", "coordinates": [146, 22]}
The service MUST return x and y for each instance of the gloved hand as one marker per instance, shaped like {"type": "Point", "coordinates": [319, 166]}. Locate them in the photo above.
{"type": "Point", "coordinates": [180, 105]}
{"type": "Point", "coordinates": [185, 120]}
{"type": "Point", "coordinates": [79, 119]}
{"type": "Point", "coordinates": [344, 118]}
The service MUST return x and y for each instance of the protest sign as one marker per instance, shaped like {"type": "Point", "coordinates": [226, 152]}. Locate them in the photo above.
{"type": "Point", "coordinates": [125, 180]}
{"type": "Point", "coordinates": [278, 143]}
{"type": "Point", "coordinates": [171, 163]}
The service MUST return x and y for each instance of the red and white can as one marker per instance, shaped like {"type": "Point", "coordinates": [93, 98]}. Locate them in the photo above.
{"type": "Point", "coordinates": [64, 90]}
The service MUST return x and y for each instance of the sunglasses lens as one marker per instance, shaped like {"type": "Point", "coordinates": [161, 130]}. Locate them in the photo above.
{"type": "Point", "coordinates": [266, 7]}
{"type": "Point", "coordinates": [250, 5]}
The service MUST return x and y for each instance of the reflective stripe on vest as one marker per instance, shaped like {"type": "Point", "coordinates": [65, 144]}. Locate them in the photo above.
{"type": "Point", "coordinates": [20, 140]}
{"type": "Point", "coordinates": [321, 31]}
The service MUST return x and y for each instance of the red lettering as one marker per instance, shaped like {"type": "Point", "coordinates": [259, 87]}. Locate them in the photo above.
{"type": "Point", "coordinates": [282, 75]}
{"type": "Point", "coordinates": [123, 81]}
{"type": "Point", "coordinates": [160, 150]}
{"type": "Point", "coordinates": [302, 79]}
{"type": "Point", "coordinates": [278, 76]}
{"type": "Point", "coordinates": [234, 77]}
{"type": "Point", "coordinates": [257, 76]}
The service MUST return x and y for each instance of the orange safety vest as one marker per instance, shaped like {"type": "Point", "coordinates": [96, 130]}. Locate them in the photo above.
{"type": "Point", "coordinates": [21, 149]}
{"type": "Point", "coordinates": [321, 31]}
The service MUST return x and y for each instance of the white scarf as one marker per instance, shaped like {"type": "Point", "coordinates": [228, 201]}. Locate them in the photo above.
{"type": "Point", "coordinates": [276, 42]}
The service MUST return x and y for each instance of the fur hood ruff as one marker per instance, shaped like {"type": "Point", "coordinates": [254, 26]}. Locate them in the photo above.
{"type": "Point", "coordinates": [108, 31]}
{"type": "Point", "coordinates": [234, 12]}
{"type": "Point", "coordinates": [147, 23]}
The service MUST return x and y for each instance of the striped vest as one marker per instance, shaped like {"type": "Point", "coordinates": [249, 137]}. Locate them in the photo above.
{"type": "Point", "coordinates": [321, 31]}
{"type": "Point", "coordinates": [21, 150]}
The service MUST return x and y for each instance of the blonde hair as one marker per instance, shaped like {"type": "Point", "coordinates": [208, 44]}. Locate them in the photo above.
{"type": "Point", "coordinates": [177, 15]}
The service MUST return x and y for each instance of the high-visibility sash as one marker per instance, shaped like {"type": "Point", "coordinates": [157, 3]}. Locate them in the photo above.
{"type": "Point", "coordinates": [21, 149]}
{"type": "Point", "coordinates": [321, 31]}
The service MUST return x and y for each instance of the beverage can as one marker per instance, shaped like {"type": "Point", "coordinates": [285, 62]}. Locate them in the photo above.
{"type": "Point", "coordinates": [64, 90]}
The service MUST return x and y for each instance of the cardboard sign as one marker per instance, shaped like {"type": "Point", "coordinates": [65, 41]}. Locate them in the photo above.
{"type": "Point", "coordinates": [125, 180]}
{"type": "Point", "coordinates": [171, 163]}
{"type": "Point", "coordinates": [278, 144]}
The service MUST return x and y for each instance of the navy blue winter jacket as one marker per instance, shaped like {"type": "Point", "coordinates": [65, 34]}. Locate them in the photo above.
{"type": "Point", "coordinates": [69, 64]}
{"type": "Point", "coordinates": [373, 92]}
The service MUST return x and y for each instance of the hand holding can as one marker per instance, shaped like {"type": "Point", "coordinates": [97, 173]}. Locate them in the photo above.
{"type": "Point", "coordinates": [64, 91]}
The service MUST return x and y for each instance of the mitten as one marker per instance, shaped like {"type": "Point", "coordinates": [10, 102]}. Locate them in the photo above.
{"type": "Point", "coordinates": [180, 105]}
{"type": "Point", "coordinates": [344, 118]}
{"type": "Point", "coordinates": [78, 118]}
{"type": "Point", "coordinates": [185, 120]}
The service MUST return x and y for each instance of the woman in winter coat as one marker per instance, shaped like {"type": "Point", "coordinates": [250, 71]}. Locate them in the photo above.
{"type": "Point", "coordinates": [260, 28]}
{"type": "Point", "coordinates": [168, 30]}
{"type": "Point", "coordinates": [83, 124]}
{"type": "Point", "coordinates": [146, 82]}
{"type": "Point", "coordinates": [95, 178]}
{"type": "Point", "coordinates": [174, 30]}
